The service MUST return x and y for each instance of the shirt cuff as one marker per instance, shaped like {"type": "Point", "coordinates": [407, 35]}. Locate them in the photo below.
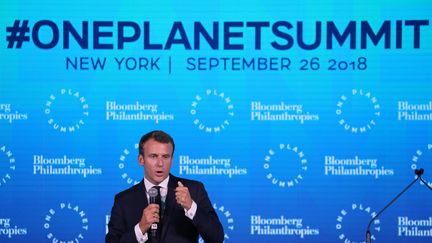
{"type": "Point", "coordinates": [192, 211]}
{"type": "Point", "coordinates": [141, 238]}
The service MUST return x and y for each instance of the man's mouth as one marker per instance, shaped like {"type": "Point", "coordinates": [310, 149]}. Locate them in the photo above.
{"type": "Point", "coordinates": [159, 173]}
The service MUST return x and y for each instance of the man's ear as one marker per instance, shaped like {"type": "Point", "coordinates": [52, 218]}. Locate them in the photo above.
{"type": "Point", "coordinates": [141, 159]}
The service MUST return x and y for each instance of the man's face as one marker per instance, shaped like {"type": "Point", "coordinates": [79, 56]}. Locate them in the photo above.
{"type": "Point", "coordinates": [157, 160]}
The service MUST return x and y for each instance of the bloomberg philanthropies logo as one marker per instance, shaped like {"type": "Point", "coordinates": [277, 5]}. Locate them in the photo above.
{"type": "Point", "coordinates": [349, 118]}
{"type": "Point", "coordinates": [65, 165]}
{"type": "Point", "coordinates": [6, 155]}
{"type": "Point", "coordinates": [356, 166]}
{"type": "Point", "coordinates": [66, 111]}
{"type": "Point", "coordinates": [414, 111]}
{"type": "Point", "coordinates": [135, 112]}
{"type": "Point", "coordinates": [219, 110]}
{"type": "Point", "coordinates": [107, 219]}
{"type": "Point", "coordinates": [411, 227]}
{"type": "Point", "coordinates": [270, 161]}
{"type": "Point", "coordinates": [281, 226]}
{"type": "Point", "coordinates": [209, 165]}
{"type": "Point", "coordinates": [280, 112]}
{"type": "Point", "coordinates": [67, 223]}
{"type": "Point", "coordinates": [7, 229]}
{"type": "Point", "coordinates": [9, 115]}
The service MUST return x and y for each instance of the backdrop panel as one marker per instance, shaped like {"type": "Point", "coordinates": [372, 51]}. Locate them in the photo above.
{"type": "Point", "coordinates": [302, 118]}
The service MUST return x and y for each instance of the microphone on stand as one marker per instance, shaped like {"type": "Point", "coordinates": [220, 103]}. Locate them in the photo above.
{"type": "Point", "coordinates": [419, 172]}
{"type": "Point", "coordinates": [368, 233]}
{"type": "Point", "coordinates": [153, 195]}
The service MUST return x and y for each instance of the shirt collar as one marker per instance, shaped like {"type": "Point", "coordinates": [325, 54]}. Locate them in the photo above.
{"type": "Point", "coordinates": [163, 184]}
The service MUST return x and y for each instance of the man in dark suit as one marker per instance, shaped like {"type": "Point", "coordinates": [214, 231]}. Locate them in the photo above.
{"type": "Point", "coordinates": [185, 211]}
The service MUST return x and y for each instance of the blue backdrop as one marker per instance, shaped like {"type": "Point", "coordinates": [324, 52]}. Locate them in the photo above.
{"type": "Point", "coordinates": [302, 118]}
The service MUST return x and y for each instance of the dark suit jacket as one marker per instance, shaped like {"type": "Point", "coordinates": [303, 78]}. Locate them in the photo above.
{"type": "Point", "coordinates": [176, 227]}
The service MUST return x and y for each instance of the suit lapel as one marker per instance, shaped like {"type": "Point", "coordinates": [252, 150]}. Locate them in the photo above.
{"type": "Point", "coordinates": [144, 192]}
{"type": "Point", "coordinates": [141, 197]}
{"type": "Point", "coordinates": [138, 202]}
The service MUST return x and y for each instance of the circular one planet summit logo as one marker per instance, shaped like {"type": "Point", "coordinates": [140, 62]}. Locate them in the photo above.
{"type": "Point", "coordinates": [418, 160]}
{"type": "Point", "coordinates": [212, 111]}
{"type": "Point", "coordinates": [358, 111]}
{"type": "Point", "coordinates": [347, 224]}
{"type": "Point", "coordinates": [226, 219]}
{"type": "Point", "coordinates": [7, 164]}
{"type": "Point", "coordinates": [66, 223]}
{"type": "Point", "coordinates": [129, 167]}
{"type": "Point", "coordinates": [286, 159]}
{"type": "Point", "coordinates": [66, 110]}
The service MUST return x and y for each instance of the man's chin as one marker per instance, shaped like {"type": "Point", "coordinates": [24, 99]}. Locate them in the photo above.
{"type": "Point", "coordinates": [159, 178]}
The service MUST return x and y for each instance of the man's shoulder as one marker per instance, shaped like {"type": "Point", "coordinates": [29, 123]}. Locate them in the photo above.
{"type": "Point", "coordinates": [131, 191]}
{"type": "Point", "coordinates": [186, 182]}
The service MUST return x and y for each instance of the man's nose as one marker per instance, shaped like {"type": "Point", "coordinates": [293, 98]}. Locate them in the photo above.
{"type": "Point", "coordinates": [160, 161]}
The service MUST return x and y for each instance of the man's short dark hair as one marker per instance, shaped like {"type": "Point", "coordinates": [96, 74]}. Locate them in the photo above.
{"type": "Point", "coordinates": [159, 136]}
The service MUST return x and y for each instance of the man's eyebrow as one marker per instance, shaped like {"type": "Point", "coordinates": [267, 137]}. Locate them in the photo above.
{"type": "Point", "coordinates": [162, 154]}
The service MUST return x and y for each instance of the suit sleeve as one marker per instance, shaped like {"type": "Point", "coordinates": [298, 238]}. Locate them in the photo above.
{"type": "Point", "coordinates": [118, 231]}
{"type": "Point", "coordinates": [206, 220]}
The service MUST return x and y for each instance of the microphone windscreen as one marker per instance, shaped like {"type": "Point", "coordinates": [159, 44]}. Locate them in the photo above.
{"type": "Point", "coordinates": [152, 194]}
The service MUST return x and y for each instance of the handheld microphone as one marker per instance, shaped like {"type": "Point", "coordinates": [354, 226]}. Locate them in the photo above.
{"type": "Point", "coordinates": [153, 194]}
{"type": "Point", "coordinates": [368, 233]}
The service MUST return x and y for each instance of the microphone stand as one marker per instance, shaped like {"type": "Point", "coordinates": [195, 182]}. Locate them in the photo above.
{"type": "Point", "coordinates": [418, 173]}
{"type": "Point", "coordinates": [424, 182]}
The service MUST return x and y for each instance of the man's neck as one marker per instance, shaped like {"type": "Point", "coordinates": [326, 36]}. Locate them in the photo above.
{"type": "Point", "coordinates": [163, 183]}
